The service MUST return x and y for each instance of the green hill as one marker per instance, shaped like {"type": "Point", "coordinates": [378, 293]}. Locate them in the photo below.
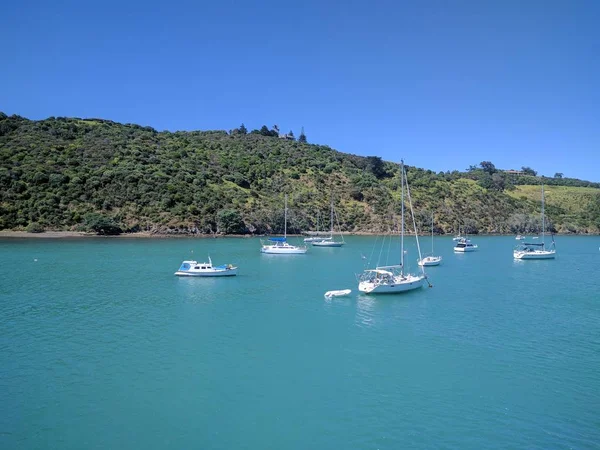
{"type": "Point", "coordinates": [69, 173]}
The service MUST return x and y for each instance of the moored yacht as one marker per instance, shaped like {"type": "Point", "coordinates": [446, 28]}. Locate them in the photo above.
{"type": "Point", "coordinates": [431, 259]}
{"type": "Point", "coordinates": [393, 279]}
{"type": "Point", "coordinates": [464, 246]}
{"type": "Point", "coordinates": [329, 241]}
{"type": "Point", "coordinates": [279, 245]}
{"type": "Point", "coordinates": [534, 251]}
{"type": "Point", "coordinates": [537, 250]}
{"type": "Point", "coordinates": [428, 261]}
{"type": "Point", "coordinates": [205, 269]}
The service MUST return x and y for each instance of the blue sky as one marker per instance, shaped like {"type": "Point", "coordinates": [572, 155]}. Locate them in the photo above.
{"type": "Point", "coordinates": [442, 84]}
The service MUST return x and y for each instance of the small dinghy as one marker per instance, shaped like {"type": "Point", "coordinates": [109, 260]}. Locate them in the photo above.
{"type": "Point", "coordinates": [340, 293]}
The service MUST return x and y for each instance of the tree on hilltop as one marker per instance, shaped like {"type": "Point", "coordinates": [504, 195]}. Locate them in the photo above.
{"type": "Point", "coordinates": [488, 167]}
{"type": "Point", "coordinates": [302, 137]}
{"type": "Point", "coordinates": [241, 130]}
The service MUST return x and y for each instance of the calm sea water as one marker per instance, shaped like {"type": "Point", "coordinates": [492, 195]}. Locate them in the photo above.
{"type": "Point", "coordinates": [102, 347]}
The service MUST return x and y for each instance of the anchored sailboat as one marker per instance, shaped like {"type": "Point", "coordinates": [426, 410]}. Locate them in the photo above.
{"type": "Point", "coordinates": [537, 250]}
{"type": "Point", "coordinates": [431, 260]}
{"type": "Point", "coordinates": [279, 245]}
{"type": "Point", "coordinates": [315, 235]}
{"type": "Point", "coordinates": [329, 241]}
{"type": "Point", "coordinates": [394, 279]}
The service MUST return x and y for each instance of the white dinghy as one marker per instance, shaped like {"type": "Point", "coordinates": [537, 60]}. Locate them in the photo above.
{"type": "Point", "coordinates": [339, 293]}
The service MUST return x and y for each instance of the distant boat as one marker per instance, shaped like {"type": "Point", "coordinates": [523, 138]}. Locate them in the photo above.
{"type": "Point", "coordinates": [520, 238]}
{"type": "Point", "coordinates": [314, 238]}
{"type": "Point", "coordinates": [431, 260]}
{"type": "Point", "coordinates": [329, 241]}
{"type": "Point", "coordinates": [279, 245]}
{"type": "Point", "coordinates": [205, 269]}
{"type": "Point", "coordinates": [393, 279]}
{"type": "Point", "coordinates": [317, 235]}
{"type": "Point", "coordinates": [465, 246]}
{"type": "Point", "coordinates": [458, 237]}
{"type": "Point", "coordinates": [537, 250]}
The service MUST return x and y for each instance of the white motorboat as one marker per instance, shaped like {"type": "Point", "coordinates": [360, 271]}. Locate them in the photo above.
{"type": "Point", "coordinates": [279, 245]}
{"type": "Point", "coordinates": [205, 269]}
{"type": "Point", "coordinates": [392, 279]}
{"type": "Point", "coordinates": [464, 246]}
{"type": "Point", "coordinates": [338, 293]}
{"type": "Point", "coordinates": [431, 259]}
{"type": "Point", "coordinates": [519, 237]}
{"type": "Point", "coordinates": [536, 250]}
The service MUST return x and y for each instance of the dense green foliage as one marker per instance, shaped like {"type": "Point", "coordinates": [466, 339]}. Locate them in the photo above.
{"type": "Point", "coordinates": [93, 174]}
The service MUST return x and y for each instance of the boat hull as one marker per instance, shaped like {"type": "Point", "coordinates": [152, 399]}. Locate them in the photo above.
{"type": "Point", "coordinates": [274, 250]}
{"type": "Point", "coordinates": [327, 244]}
{"type": "Point", "coordinates": [211, 273]}
{"type": "Point", "coordinates": [534, 255]}
{"type": "Point", "coordinates": [430, 261]}
{"type": "Point", "coordinates": [465, 249]}
{"type": "Point", "coordinates": [410, 283]}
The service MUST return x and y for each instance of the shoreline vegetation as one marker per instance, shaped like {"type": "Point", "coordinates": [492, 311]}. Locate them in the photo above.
{"type": "Point", "coordinates": [95, 175]}
{"type": "Point", "coordinates": [147, 235]}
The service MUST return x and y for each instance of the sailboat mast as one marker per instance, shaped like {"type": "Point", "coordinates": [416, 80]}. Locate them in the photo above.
{"type": "Point", "coordinates": [402, 212]}
{"type": "Point", "coordinates": [543, 218]}
{"type": "Point", "coordinates": [432, 234]}
{"type": "Point", "coordinates": [331, 232]}
{"type": "Point", "coordinates": [285, 218]}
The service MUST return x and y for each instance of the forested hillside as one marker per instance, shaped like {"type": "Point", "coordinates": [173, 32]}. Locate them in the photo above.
{"type": "Point", "coordinates": [93, 174]}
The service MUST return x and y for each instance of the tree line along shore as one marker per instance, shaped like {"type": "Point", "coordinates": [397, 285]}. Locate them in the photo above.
{"type": "Point", "coordinates": [98, 176]}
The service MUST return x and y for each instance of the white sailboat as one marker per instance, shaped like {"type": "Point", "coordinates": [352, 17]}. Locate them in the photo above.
{"type": "Point", "coordinates": [458, 237]}
{"type": "Point", "coordinates": [329, 241]}
{"type": "Point", "coordinates": [316, 234]}
{"type": "Point", "coordinates": [537, 250]}
{"type": "Point", "coordinates": [431, 260]}
{"type": "Point", "coordinates": [393, 279]}
{"type": "Point", "coordinates": [279, 245]}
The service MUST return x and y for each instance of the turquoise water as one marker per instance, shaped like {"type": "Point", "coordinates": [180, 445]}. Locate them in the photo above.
{"type": "Point", "coordinates": [102, 347]}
